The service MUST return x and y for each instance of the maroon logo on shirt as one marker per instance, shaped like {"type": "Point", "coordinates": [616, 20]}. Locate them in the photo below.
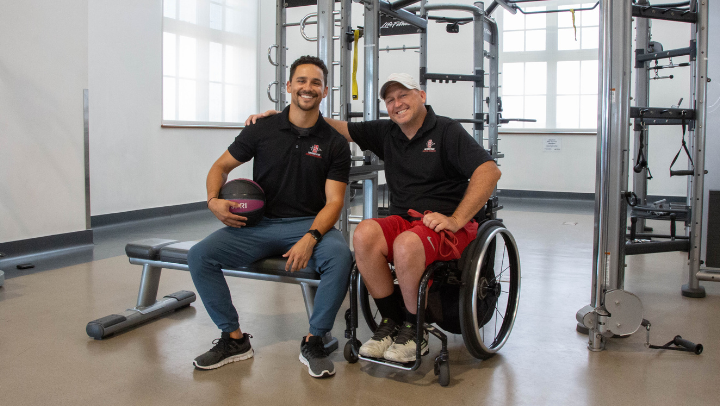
{"type": "Point", "coordinates": [429, 146]}
{"type": "Point", "coordinates": [314, 151]}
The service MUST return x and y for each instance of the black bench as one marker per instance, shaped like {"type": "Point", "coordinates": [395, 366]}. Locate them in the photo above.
{"type": "Point", "coordinates": [155, 254]}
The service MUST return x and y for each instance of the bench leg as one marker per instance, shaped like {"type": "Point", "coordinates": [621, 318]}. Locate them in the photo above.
{"type": "Point", "coordinates": [147, 306]}
{"type": "Point", "coordinates": [309, 292]}
{"type": "Point", "coordinates": [149, 284]}
{"type": "Point", "coordinates": [331, 343]}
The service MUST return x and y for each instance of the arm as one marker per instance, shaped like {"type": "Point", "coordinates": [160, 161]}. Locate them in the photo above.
{"type": "Point", "coordinates": [215, 180]}
{"type": "Point", "coordinates": [482, 183]}
{"type": "Point", "coordinates": [341, 127]}
{"type": "Point", "coordinates": [338, 125]}
{"type": "Point", "coordinates": [300, 253]}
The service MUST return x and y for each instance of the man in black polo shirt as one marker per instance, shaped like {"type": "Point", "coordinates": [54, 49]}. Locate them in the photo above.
{"type": "Point", "coordinates": [303, 166]}
{"type": "Point", "coordinates": [439, 178]}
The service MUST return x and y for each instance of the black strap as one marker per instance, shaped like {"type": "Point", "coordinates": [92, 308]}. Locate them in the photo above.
{"type": "Point", "coordinates": [641, 160]}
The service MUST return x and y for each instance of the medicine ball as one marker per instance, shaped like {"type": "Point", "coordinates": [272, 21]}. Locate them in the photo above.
{"type": "Point", "coordinates": [250, 197]}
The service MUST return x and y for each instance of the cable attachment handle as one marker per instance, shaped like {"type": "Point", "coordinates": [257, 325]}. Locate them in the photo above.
{"type": "Point", "coordinates": [679, 343]}
{"type": "Point", "coordinates": [686, 172]}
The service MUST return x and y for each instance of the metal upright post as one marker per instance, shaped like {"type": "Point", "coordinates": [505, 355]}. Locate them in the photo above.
{"type": "Point", "coordinates": [345, 59]}
{"type": "Point", "coordinates": [370, 109]}
{"type": "Point", "coordinates": [423, 49]}
{"type": "Point", "coordinates": [371, 59]}
{"type": "Point", "coordinates": [493, 79]}
{"type": "Point", "coordinates": [611, 170]}
{"type": "Point", "coordinates": [697, 139]}
{"type": "Point", "coordinates": [642, 99]}
{"type": "Point", "coordinates": [325, 47]}
{"type": "Point", "coordinates": [345, 95]}
{"type": "Point", "coordinates": [281, 40]}
{"type": "Point", "coordinates": [478, 63]}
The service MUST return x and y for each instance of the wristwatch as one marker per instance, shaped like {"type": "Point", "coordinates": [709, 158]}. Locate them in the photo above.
{"type": "Point", "coordinates": [316, 235]}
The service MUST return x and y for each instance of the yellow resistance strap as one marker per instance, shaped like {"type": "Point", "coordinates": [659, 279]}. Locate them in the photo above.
{"type": "Point", "coordinates": [355, 63]}
{"type": "Point", "coordinates": [572, 11]}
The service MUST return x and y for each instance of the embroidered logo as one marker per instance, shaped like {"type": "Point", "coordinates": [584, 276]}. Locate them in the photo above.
{"type": "Point", "coordinates": [314, 151]}
{"type": "Point", "coordinates": [429, 146]}
{"type": "Point", "coordinates": [430, 240]}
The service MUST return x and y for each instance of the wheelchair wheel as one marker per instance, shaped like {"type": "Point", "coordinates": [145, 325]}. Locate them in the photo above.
{"type": "Point", "coordinates": [490, 292]}
{"type": "Point", "coordinates": [350, 352]}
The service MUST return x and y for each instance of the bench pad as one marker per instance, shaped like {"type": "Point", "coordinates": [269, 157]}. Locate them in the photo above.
{"type": "Point", "coordinates": [176, 253]}
{"type": "Point", "coordinates": [147, 249]}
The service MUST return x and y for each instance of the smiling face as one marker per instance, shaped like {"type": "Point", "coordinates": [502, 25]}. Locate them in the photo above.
{"type": "Point", "coordinates": [406, 107]}
{"type": "Point", "coordinates": [306, 87]}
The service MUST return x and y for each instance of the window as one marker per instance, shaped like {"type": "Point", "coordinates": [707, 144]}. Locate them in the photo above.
{"type": "Point", "coordinates": [549, 67]}
{"type": "Point", "coordinates": [209, 62]}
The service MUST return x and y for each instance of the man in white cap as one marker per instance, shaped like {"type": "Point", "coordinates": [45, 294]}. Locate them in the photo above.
{"type": "Point", "coordinates": [439, 178]}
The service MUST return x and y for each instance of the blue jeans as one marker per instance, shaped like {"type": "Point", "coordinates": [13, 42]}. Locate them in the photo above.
{"type": "Point", "coordinates": [231, 247]}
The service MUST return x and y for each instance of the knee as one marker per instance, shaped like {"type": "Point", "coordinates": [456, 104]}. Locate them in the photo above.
{"type": "Point", "coordinates": [367, 235]}
{"type": "Point", "coordinates": [341, 255]}
{"type": "Point", "coordinates": [407, 248]}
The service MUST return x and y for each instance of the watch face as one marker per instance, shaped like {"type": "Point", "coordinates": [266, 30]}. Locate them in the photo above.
{"type": "Point", "coordinates": [316, 235]}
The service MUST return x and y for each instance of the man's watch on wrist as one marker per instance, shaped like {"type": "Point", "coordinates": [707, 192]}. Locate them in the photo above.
{"type": "Point", "coordinates": [316, 235]}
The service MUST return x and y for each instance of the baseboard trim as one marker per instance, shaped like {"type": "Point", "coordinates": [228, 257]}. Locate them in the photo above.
{"type": "Point", "coordinates": [48, 243]}
{"type": "Point", "coordinates": [537, 194]}
{"type": "Point", "coordinates": [145, 214]}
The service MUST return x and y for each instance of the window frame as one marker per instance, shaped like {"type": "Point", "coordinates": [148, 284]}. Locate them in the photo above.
{"type": "Point", "coordinates": [211, 35]}
{"type": "Point", "coordinates": [551, 56]}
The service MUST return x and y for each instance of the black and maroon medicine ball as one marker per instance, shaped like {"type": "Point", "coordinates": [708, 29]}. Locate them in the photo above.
{"type": "Point", "coordinates": [250, 197]}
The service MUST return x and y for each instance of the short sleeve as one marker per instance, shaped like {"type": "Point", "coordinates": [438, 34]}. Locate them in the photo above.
{"type": "Point", "coordinates": [340, 165]}
{"type": "Point", "coordinates": [370, 135]}
{"type": "Point", "coordinates": [244, 147]}
{"type": "Point", "coordinates": [464, 153]}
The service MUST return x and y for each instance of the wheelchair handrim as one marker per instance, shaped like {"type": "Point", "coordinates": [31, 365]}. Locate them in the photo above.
{"type": "Point", "coordinates": [514, 294]}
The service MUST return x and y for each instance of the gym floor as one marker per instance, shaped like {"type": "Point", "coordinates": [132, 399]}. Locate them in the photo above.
{"type": "Point", "coordinates": [46, 357]}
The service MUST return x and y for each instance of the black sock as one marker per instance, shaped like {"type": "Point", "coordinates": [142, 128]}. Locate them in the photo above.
{"type": "Point", "coordinates": [240, 340]}
{"type": "Point", "coordinates": [389, 308]}
{"type": "Point", "coordinates": [410, 318]}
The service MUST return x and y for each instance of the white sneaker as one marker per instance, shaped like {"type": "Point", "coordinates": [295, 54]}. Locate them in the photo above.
{"type": "Point", "coordinates": [381, 340]}
{"type": "Point", "coordinates": [405, 346]}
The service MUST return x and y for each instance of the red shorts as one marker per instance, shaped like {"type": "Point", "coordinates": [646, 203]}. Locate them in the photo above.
{"type": "Point", "coordinates": [392, 226]}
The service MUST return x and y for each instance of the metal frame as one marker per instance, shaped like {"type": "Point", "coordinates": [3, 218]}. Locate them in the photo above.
{"type": "Point", "coordinates": [612, 161]}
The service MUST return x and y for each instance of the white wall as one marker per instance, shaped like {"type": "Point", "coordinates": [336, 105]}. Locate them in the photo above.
{"type": "Point", "coordinates": [51, 51]}
{"type": "Point", "coordinates": [43, 71]}
{"type": "Point", "coordinates": [134, 163]}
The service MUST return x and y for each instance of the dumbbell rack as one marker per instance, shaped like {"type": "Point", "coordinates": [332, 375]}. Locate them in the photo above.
{"type": "Point", "coordinates": [613, 311]}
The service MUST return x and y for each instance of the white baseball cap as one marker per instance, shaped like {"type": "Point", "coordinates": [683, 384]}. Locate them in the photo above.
{"type": "Point", "coordinates": [402, 78]}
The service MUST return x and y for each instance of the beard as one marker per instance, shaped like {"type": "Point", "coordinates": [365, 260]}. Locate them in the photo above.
{"type": "Point", "coordinates": [306, 108]}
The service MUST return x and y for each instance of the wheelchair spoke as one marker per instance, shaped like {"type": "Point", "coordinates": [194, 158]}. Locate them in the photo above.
{"type": "Point", "coordinates": [496, 327]}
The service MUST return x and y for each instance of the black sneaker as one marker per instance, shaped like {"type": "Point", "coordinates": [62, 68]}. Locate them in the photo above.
{"type": "Point", "coordinates": [225, 351]}
{"type": "Point", "coordinates": [312, 354]}
{"type": "Point", "coordinates": [382, 339]}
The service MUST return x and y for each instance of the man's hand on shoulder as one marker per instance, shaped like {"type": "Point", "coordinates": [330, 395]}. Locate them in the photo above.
{"type": "Point", "coordinates": [438, 222]}
{"type": "Point", "coordinates": [221, 209]}
{"type": "Point", "coordinates": [254, 117]}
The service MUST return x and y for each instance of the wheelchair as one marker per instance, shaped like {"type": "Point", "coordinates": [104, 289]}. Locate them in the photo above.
{"type": "Point", "coordinates": [476, 296]}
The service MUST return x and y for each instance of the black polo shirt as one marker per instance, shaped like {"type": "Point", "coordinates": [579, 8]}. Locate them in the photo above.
{"type": "Point", "coordinates": [292, 168]}
{"type": "Point", "coordinates": [429, 172]}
